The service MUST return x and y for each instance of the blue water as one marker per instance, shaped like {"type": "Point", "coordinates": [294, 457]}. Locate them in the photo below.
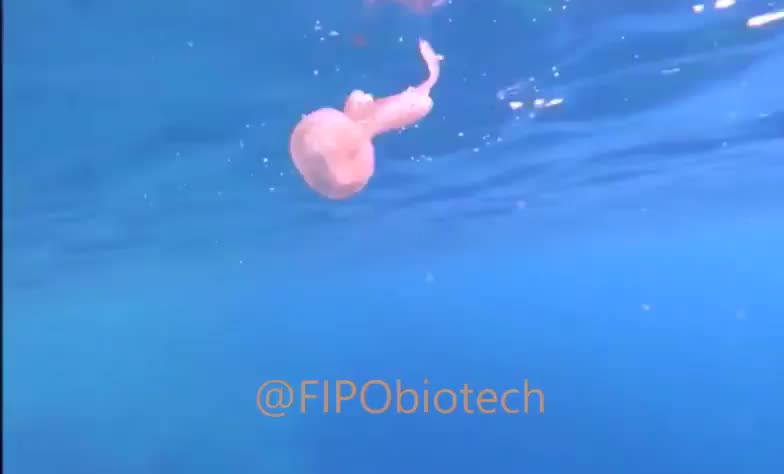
{"type": "Point", "coordinates": [621, 251]}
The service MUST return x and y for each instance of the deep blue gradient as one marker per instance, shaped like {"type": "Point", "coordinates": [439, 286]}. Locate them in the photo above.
{"type": "Point", "coordinates": [622, 251]}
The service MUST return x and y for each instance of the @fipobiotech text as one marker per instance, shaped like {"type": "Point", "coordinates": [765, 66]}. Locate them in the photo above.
{"type": "Point", "coordinates": [278, 398]}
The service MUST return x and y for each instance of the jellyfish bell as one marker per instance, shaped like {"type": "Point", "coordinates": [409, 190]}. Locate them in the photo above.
{"type": "Point", "coordinates": [333, 153]}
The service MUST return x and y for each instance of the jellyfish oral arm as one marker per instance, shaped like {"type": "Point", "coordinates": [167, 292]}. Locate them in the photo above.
{"type": "Point", "coordinates": [400, 110]}
{"type": "Point", "coordinates": [397, 111]}
{"type": "Point", "coordinates": [433, 63]}
{"type": "Point", "coordinates": [359, 106]}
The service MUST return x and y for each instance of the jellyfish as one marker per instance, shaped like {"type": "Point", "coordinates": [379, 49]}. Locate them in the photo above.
{"type": "Point", "coordinates": [420, 7]}
{"type": "Point", "coordinates": [333, 149]}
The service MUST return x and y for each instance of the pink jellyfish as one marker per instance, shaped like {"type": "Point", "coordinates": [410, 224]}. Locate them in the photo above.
{"type": "Point", "coordinates": [420, 7]}
{"type": "Point", "coordinates": [333, 149]}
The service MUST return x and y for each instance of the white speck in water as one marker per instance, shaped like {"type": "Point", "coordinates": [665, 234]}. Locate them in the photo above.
{"type": "Point", "coordinates": [553, 102]}
{"type": "Point", "coordinates": [721, 4]}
